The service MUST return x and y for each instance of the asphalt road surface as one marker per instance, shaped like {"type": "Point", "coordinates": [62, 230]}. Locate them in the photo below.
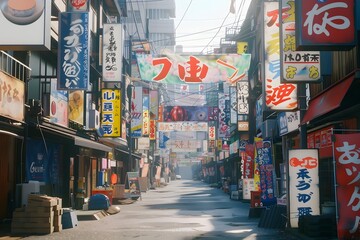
{"type": "Point", "coordinates": [182, 210]}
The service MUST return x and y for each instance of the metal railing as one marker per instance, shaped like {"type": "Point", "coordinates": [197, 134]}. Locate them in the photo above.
{"type": "Point", "coordinates": [14, 67]}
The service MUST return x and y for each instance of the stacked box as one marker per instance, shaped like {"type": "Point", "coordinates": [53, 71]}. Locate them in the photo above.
{"type": "Point", "coordinates": [42, 215]}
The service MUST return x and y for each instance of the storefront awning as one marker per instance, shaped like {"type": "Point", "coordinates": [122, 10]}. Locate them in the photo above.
{"type": "Point", "coordinates": [138, 156]}
{"type": "Point", "coordinates": [78, 141]}
{"type": "Point", "coordinates": [327, 101]}
{"type": "Point", "coordinates": [83, 142]}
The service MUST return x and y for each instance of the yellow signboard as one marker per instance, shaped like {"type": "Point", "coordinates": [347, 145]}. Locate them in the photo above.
{"type": "Point", "coordinates": [111, 112]}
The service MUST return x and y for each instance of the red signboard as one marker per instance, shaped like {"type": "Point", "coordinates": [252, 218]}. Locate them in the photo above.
{"type": "Point", "coordinates": [321, 139]}
{"type": "Point", "coordinates": [325, 25]}
{"type": "Point", "coordinates": [347, 156]}
{"type": "Point", "coordinates": [152, 134]}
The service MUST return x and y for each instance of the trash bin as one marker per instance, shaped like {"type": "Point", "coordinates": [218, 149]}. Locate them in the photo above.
{"type": "Point", "coordinates": [99, 202]}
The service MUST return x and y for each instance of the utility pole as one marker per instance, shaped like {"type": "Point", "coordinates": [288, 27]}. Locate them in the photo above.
{"type": "Point", "coordinates": [130, 94]}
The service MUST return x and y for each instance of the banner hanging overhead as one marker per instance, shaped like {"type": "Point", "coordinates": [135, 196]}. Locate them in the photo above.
{"type": "Point", "coordinates": [178, 69]}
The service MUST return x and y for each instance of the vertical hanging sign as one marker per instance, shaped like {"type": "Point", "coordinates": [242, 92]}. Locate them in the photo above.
{"type": "Point", "coordinates": [303, 184]}
{"type": "Point", "coordinates": [136, 112]}
{"type": "Point", "coordinates": [73, 53]}
{"type": "Point", "coordinates": [146, 112]}
{"type": "Point", "coordinates": [297, 66]}
{"type": "Point", "coordinates": [347, 159]}
{"type": "Point", "coordinates": [112, 52]}
{"type": "Point", "coordinates": [277, 96]}
{"type": "Point", "coordinates": [111, 112]}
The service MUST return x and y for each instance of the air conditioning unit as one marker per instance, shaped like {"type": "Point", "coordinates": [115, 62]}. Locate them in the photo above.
{"type": "Point", "coordinates": [94, 119]}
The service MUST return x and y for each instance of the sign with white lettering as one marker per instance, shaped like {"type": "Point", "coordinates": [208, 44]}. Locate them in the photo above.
{"type": "Point", "coordinates": [73, 53]}
{"type": "Point", "coordinates": [325, 25]}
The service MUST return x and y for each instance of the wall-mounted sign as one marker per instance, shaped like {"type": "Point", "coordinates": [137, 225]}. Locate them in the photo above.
{"type": "Point", "coordinates": [11, 97]}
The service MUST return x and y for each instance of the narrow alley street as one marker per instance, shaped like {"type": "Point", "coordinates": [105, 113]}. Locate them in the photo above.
{"type": "Point", "coordinates": [184, 209]}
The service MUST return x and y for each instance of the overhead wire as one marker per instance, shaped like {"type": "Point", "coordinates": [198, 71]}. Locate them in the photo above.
{"type": "Point", "coordinates": [222, 24]}
{"type": "Point", "coordinates": [182, 18]}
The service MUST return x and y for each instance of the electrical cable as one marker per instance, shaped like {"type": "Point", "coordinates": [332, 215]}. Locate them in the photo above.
{"type": "Point", "coordinates": [182, 18]}
{"type": "Point", "coordinates": [216, 33]}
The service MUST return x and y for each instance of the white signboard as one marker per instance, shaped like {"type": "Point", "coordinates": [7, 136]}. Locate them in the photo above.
{"type": "Point", "coordinates": [248, 186]}
{"type": "Point", "coordinates": [27, 28]}
{"type": "Point", "coordinates": [113, 35]}
{"type": "Point", "coordinates": [278, 96]}
{"type": "Point", "coordinates": [143, 143]}
{"type": "Point", "coordinates": [303, 184]}
{"type": "Point", "coordinates": [182, 126]}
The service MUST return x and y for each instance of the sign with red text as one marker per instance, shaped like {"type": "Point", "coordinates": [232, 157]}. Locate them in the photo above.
{"type": "Point", "coordinates": [325, 25]}
{"type": "Point", "coordinates": [303, 184]}
{"type": "Point", "coordinates": [212, 132]}
{"type": "Point", "coordinates": [347, 159]}
{"type": "Point", "coordinates": [194, 68]}
{"type": "Point", "coordinates": [278, 96]}
{"type": "Point", "coordinates": [152, 133]}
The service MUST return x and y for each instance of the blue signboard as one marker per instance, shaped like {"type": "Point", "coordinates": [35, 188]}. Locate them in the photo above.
{"type": "Point", "coordinates": [73, 53]}
{"type": "Point", "coordinates": [42, 162]}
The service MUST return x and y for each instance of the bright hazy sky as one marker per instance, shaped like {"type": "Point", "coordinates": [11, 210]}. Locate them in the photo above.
{"type": "Point", "coordinates": [202, 21]}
